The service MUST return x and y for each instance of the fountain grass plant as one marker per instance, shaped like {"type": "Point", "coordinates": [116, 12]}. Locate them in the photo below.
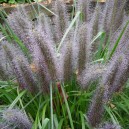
{"type": "Point", "coordinates": [54, 58]}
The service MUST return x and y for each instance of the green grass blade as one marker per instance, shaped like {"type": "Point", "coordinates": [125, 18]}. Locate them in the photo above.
{"type": "Point", "coordinates": [37, 121]}
{"type": "Point", "coordinates": [5, 33]}
{"type": "Point", "coordinates": [67, 106]}
{"type": "Point", "coordinates": [68, 29]}
{"type": "Point", "coordinates": [118, 40]}
{"type": "Point", "coordinates": [17, 99]}
{"type": "Point", "coordinates": [55, 121]}
{"type": "Point", "coordinates": [33, 98]}
{"type": "Point", "coordinates": [45, 122]}
{"type": "Point", "coordinates": [60, 123]}
{"type": "Point", "coordinates": [43, 112]}
{"type": "Point", "coordinates": [47, 9]}
{"type": "Point", "coordinates": [20, 100]}
{"type": "Point", "coordinates": [97, 36]}
{"type": "Point", "coordinates": [111, 114]}
{"type": "Point", "coordinates": [2, 38]}
{"type": "Point", "coordinates": [82, 120]}
{"type": "Point", "coordinates": [51, 107]}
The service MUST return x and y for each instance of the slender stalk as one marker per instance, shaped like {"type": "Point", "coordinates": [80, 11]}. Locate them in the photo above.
{"type": "Point", "coordinates": [118, 40]}
{"type": "Point", "coordinates": [67, 106]}
{"type": "Point", "coordinates": [68, 29]}
{"type": "Point", "coordinates": [51, 106]}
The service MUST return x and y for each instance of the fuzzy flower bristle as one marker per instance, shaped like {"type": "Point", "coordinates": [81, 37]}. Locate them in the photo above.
{"type": "Point", "coordinates": [117, 14]}
{"type": "Point", "coordinates": [4, 67]}
{"type": "Point", "coordinates": [21, 25]}
{"type": "Point", "coordinates": [94, 23]}
{"type": "Point", "coordinates": [116, 75]}
{"type": "Point", "coordinates": [4, 126]}
{"type": "Point", "coordinates": [108, 125]}
{"type": "Point", "coordinates": [86, 9]}
{"type": "Point", "coordinates": [96, 108]}
{"type": "Point", "coordinates": [61, 20]}
{"type": "Point", "coordinates": [67, 68]}
{"type": "Point", "coordinates": [45, 24]}
{"type": "Point", "coordinates": [21, 68]}
{"type": "Point", "coordinates": [43, 75]}
{"type": "Point", "coordinates": [49, 53]}
{"type": "Point", "coordinates": [112, 16]}
{"type": "Point", "coordinates": [3, 74]}
{"type": "Point", "coordinates": [91, 74]}
{"type": "Point", "coordinates": [113, 80]}
{"type": "Point", "coordinates": [84, 47]}
{"type": "Point", "coordinates": [16, 118]}
{"type": "Point", "coordinates": [121, 75]}
{"type": "Point", "coordinates": [42, 72]}
{"type": "Point", "coordinates": [28, 75]}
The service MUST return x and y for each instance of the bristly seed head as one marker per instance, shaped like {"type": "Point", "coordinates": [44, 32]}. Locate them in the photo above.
{"type": "Point", "coordinates": [16, 118]}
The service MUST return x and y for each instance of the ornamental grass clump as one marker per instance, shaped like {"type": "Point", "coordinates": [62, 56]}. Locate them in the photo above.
{"type": "Point", "coordinates": [52, 61]}
{"type": "Point", "coordinates": [57, 53]}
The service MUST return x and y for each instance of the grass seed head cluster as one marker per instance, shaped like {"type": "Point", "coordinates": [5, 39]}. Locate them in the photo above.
{"type": "Point", "coordinates": [48, 62]}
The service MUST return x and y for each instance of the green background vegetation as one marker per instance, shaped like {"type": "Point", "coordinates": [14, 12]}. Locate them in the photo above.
{"type": "Point", "coordinates": [14, 1]}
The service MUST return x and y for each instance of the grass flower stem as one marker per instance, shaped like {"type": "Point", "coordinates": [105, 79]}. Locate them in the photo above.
{"type": "Point", "coordinates": [51, 105]}
{"type": "Point", "coordinates": [68, 29]}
